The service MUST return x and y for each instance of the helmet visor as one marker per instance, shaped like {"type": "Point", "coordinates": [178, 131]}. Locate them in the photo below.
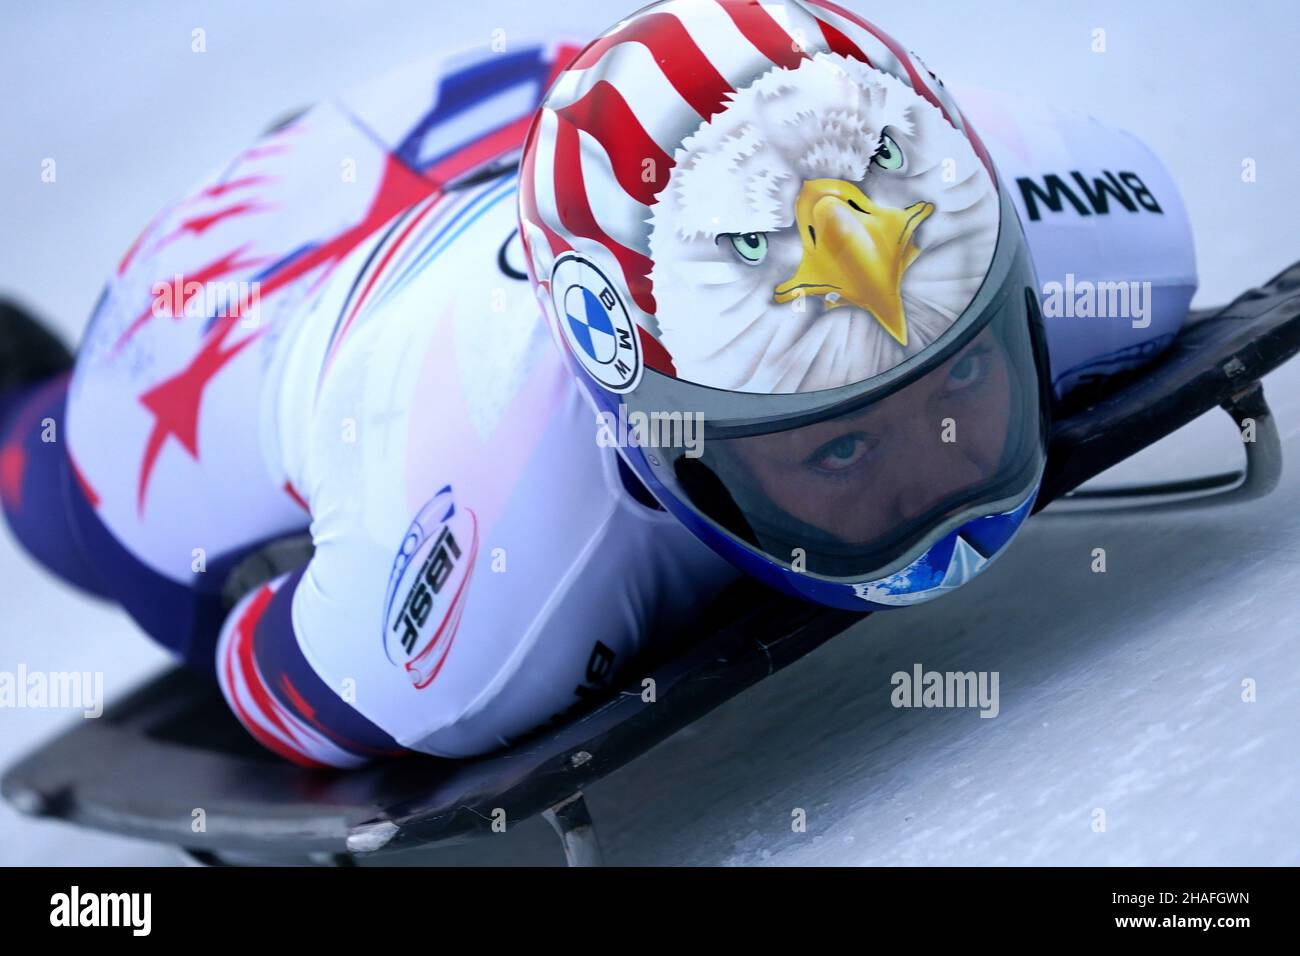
{"type": "Point", "coordinates": [861, 492]}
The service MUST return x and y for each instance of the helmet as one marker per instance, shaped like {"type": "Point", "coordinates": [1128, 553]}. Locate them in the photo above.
{"type": "Point", "coordinates": [767, 240]}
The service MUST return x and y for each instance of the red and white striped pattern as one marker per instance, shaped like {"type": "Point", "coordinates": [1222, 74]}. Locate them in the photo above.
{"type": "Point", "coordinates": [603, 145]}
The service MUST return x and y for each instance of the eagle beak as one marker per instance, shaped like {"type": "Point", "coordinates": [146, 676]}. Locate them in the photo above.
{"type": "Point", "coordinates": [854, 251]}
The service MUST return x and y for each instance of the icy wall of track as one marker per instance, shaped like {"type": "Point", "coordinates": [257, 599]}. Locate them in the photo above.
{"type": "Point", "coordinates": [1119, 691]}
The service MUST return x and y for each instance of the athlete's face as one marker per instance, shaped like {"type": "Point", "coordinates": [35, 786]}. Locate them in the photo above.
{"type": "Point", "coordinates": [859, 476]}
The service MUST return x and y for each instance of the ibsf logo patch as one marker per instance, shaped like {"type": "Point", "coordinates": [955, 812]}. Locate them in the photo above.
{"type": "Point", "coordinates": [596, 323]}
{"type": "Point", "coordinates": [427, 588]}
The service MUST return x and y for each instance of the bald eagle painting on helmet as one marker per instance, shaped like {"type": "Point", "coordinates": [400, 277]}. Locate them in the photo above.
{"type": "Point", "coordinates": [720, 169]}
{"type": "Point", "coordinates": [792, 225]}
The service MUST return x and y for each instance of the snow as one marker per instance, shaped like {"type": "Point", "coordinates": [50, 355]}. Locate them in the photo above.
{"type": "Point", "coordinates": [1120, 692]}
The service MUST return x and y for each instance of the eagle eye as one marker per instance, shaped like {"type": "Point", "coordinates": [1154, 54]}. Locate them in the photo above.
{"type": "Point", "coordinates": [888, 155]}
{"type": "Point", "coordinates": [750, 246]}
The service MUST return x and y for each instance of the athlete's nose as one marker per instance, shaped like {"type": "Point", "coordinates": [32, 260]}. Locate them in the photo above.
{"type": "Point", "coordinates": [936, 465]}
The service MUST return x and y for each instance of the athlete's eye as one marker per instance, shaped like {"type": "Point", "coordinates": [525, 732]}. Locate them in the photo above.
{"type": "Point", "coordinates": [750, 246]}
{"type": "Point", "coordinates": [841, 454]}
{"type": "Point", "coordinates": [967, 370]}
{"type": "Point", "coordinates": [888, 155]}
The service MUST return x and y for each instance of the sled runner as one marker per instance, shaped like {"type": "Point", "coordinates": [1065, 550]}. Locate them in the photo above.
{"type": "Point", "coordinates": [172, 745]}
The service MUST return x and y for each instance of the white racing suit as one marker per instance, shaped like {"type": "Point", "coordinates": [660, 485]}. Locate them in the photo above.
{"type": "Point", "coordinates": [335, 333]}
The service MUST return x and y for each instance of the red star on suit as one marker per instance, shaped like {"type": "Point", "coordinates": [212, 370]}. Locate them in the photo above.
{"type": "Point", "coordinates": [175, 402]}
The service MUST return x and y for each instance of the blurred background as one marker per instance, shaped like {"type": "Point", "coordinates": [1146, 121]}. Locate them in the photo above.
{"type": "Point", "coordinates": [1120, 691]}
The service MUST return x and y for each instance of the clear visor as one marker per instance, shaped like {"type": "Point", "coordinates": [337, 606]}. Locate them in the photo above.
{"type": "Point", "coordinates": [861, 494]}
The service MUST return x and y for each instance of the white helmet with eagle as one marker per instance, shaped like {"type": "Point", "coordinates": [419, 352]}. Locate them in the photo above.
{"type": "Point", "coordinates": [769, 215]}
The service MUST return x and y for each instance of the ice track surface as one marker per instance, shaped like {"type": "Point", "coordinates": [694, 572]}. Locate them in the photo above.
{"type": "Point", "coordinates": [1119, 691]}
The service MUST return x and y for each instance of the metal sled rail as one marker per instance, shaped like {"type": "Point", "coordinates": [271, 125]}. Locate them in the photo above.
{"type": "Point", "coordinates": [152, 762]}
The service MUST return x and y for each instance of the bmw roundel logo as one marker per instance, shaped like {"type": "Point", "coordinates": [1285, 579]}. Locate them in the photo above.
{"type": "Point", "coordinates": [595, 323]}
